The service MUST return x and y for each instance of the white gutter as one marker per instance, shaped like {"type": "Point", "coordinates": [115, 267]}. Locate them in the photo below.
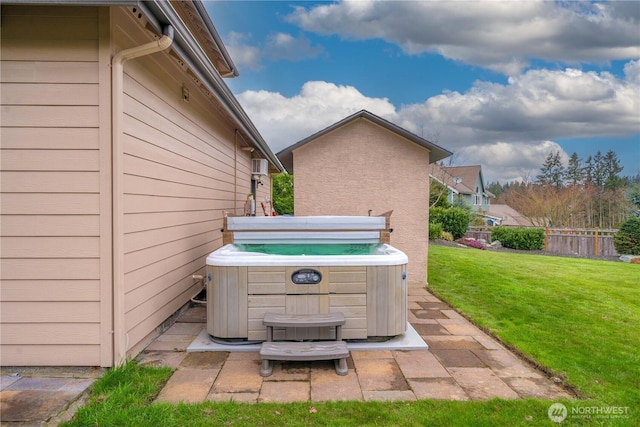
{"type": "Point", "coordinates": [120, 337]}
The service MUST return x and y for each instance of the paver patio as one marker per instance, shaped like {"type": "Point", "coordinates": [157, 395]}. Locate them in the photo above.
{"type": "Point", "coordinates": [462, 363]}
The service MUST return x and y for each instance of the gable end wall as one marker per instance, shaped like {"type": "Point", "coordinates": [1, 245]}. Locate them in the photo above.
{"type": "Point", "coordinates": [361, 168]}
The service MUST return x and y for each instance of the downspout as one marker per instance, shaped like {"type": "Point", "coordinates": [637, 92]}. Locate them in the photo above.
{"type": "Point", "coordinates": [120, 337]}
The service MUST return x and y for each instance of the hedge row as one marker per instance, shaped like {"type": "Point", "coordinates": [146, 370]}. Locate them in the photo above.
{"type": "Point", "coordinates": [526, 239]}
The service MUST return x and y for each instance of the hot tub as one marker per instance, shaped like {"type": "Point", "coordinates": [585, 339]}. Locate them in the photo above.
{"type": "Point", "coordinates": [307, 272]}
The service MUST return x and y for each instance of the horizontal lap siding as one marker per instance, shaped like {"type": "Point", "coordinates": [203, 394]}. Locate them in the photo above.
{"type": "Point", "coordinates": [50, 183]}
{"type": "Point", "coordinates": [179, 177]}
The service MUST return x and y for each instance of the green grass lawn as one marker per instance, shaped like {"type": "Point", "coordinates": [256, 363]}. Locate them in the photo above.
{"type": "Point", "coordinates": [578, 318]}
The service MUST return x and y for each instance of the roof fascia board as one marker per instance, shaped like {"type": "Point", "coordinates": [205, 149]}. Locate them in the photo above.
{"type": "Point", "coordinates": [204, 15]}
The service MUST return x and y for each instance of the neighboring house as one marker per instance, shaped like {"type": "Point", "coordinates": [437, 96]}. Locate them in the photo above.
{"type": "Point", "coordinates": [465, 183]}
{"type": "Point", "coordinates": [365, 165]}
{"type": "Point", "coordinates": [507, 216]}
{"type": "Point", "coordinates": [122, 148]}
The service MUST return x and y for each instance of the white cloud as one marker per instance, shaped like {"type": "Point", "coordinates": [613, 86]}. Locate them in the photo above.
{"type": "Point", "coordinates": [283, 121]}
{"type": "Point", "coordinates": [285, 46]}
{"type": "Point", "coordinates": [502, 36]}
{"type": "Point", "coordinates": [507, 128]}
{"type": "Point", "coordinates": [243, 54]}
{"type": "Point", "coordinates": [277, 46]}
{"type": "Point", "coordinates": [509, 161]}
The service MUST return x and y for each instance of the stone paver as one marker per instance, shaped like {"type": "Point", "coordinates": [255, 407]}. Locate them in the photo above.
{"type": "Point", "coordinates": [461, 328]}
{"type": "Point", "coordinates": [31, 406]}
{"type": "Point", "coordinates": [7, 381]}
{"type": "Point", "coordinates": [171, 343]}
{"type": "Point", "coordinates": [388, 395]}
{"type": "Point", "coordinates": [505, 364]}
{"type": "Point", "coordinates": [452, 342]}
{"type": "Point", "coordinates": [488, 342]}
{"type": "Point", "coordinates": [539, 388]}
{"type": "Point", "coordinates": [460, 358]}
{"type": "Point", "coordinates": [380, 374]}
{"type": "Point", "coordinates": [419, 364]}
{"type": "Point", "coordinates": [482, 383]}
{"type": "Point", "coordinates": [192, 329]}
{"type": "Point", "coordinates": [437, 388]}
{"type": "Point", "coordinates": [205, 360]}
{"type": "Point", "coordinates": [234, 397]}
{"type": "Point", "coordinates": [172, 359]}
{"type": "Point", "coordinates": [326, 385]}
{"type": "Point", "coordinates": [239, 376]}
{"type": "Point", "coordinates": [290, 371]}
{"type": "Point", "coordinates": [285, 391]}
{"type": "Point", "coordinates": [188, 385]}
{"type": "Point", "coordinates": [431, 329]}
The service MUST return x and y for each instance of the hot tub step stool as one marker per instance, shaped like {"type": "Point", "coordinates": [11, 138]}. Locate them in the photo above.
{"type": "Point", "coordinates": [302, 351]}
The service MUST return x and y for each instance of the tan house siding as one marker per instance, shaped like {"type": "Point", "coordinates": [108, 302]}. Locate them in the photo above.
{"type": "Point", "coordinates": [360, 168]}
{"type": "Point", "coordinates": [182, 169]}
{"type": "Point", "coordinates": [101, 233]}
{"type": "Point", "coordinates": [53, 187]}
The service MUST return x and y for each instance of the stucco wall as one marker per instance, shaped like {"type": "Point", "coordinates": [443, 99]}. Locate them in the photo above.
{"type": "Point", "coordinates": [361, 168]}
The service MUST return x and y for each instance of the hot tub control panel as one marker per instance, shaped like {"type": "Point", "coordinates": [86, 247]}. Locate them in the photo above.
{"type": "Point", "coordinates": [306, 276]}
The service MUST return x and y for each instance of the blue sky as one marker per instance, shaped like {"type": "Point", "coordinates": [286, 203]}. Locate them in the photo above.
{"type": "Point", "coordinates": [500, 84]}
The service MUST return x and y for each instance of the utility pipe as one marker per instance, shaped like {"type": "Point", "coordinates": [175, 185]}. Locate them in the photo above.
{"type": "Point", "coordinates": [120, 336]}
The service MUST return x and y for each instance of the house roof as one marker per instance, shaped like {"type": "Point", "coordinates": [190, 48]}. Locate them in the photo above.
{"type": "Point", "coordinates": [196, 43]}
{"type": "Point", "coordinates": [460, 179]}
{"type": "Point", "coordinates": [436, 152]}
{"type": "Point", "coordinates": [508, 216]}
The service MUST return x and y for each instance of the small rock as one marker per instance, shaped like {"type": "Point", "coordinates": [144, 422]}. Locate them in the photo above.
{"type": "Point", "coordinates": [633, 259]}
{"type": "Point", "coordinates": [495, 245]}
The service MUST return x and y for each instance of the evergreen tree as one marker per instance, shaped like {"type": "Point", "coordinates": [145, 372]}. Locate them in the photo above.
{"type": "Point", "coordinates": [495, 188]}
{"type": "Point", "coordinates": [588, 170]}
{"type": "Point", "coordinates": [552, 171]}
{"type": "Point", "coordinates": [598, 170]}
{"type": "Point", "coordinates": [574, 173]}
{"type": "Point", "coordinates": [611, 171]}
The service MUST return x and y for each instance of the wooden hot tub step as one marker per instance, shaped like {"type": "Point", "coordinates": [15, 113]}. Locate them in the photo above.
{"type": "Point", "coordinates": [307, 350]}
{"type": "Point", "coordinates": [282, 320]}
{"type": "Point", "coordinates": [304, 351]}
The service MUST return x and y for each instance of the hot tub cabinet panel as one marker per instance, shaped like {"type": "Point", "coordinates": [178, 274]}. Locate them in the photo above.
{"type": "Point", "coordinates": [227, 306]}
{"type": "Point", "coordinates": [386, 300]}
{"type": "Point", "coordinates": [372, 298]}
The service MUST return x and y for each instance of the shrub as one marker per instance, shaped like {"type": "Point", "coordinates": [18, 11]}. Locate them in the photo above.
{"type": "Point", "coordinates": [627, 239]}
{"type": "Point", "coordinates": [447, 236]}
{"type": "Point", "coordinates": [435, 231]}
{"type": "Point", "coordinates": [526, 239]}
{"type": "Point", "coordinates": [453, 220]}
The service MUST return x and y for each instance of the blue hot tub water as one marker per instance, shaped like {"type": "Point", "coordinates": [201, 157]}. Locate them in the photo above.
{"type": "Point", "coordinates": [311, 249]}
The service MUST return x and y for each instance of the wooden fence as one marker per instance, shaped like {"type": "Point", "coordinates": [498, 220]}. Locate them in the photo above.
{"type": "Point", "coordinates": [585, 242]}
